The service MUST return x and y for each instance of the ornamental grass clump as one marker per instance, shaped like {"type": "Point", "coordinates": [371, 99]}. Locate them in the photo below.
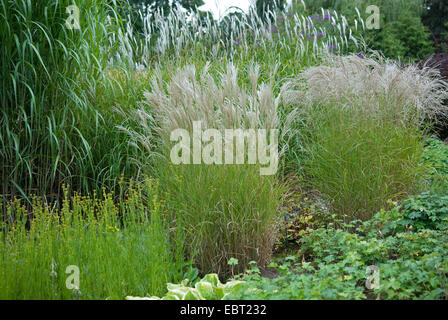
{"type": "Point", "coordinates": [362, 137]}
{"type": "Point", "coordinates": [226, 210]}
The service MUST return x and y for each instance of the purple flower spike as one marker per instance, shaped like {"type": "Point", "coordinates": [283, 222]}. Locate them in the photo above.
{"type": "Point", "coordinates": [327, 16]}
{"type": "Point", "coordinates": [332, 47]}
{"type": "Point", "coordinates": [361, 55]}
{"type": "Point", "coordinates": [236, 43]}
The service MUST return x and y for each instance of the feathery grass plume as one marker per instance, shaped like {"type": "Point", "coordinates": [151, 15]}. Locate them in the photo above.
{"type": "Point", "coordinates": [408, 91]}
{"type": "Point", "coordinates": [363, 128]}
{"type": "Point", "coordinates": [219, 104]}
{"type": "Point", "coordinates": [176, 33]}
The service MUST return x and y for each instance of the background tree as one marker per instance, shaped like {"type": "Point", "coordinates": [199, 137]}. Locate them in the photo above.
{"type": "Point", "coordinates": [132, 8]}
{"type": "Point", "coordinates": [436, 19]}
{"type": "Point", "coordinates": [264, 6]}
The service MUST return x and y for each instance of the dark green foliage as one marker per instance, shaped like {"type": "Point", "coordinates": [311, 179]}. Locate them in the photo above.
{"type": "Point", "coordinates": [401, 34]}
{"type": "Point", "coordinates": [435, 157]}
{"type": "Point", "coordinates": [426, 211]}
{"type": "Point", "coordinates": [436, 19]}
{"type": "Point", "coordinates": [405, 37]}
{"type": "Point", "coordinates": [265, 6]}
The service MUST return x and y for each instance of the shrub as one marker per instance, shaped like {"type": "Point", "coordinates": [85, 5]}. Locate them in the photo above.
{"type": "Point", "coordinates": [425, 211]}
{"type": "Point", "coordinates": [435, 157]}
{"type": "Point", "coordinates": [404, 38]}
{"type": "Point", "coordinates": [435, 17]}
{"type": "Point", "coordinates": [402, 34]}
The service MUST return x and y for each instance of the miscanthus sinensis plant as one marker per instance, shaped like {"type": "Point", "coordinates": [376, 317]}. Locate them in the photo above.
{"type": "Point", "coordinates": [362, 138]}
{"type": "Point", "coordinates": [225, 210]}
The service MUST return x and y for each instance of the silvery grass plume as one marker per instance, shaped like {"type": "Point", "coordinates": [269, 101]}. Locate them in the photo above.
{"type": "Point", "coordinates": [194, 95]}
{"type": "Point", "coordinates": [374, 83]}
{"type": "Point", "coordinates": [234, 35]}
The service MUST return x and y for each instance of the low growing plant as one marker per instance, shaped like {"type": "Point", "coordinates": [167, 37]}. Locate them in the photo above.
{"type": "Point", "coordinates": [118, 249]}
{"type": "Point", "coordinates": [208, 288]}
{"type": "Point", "coordinates": [333, 263]}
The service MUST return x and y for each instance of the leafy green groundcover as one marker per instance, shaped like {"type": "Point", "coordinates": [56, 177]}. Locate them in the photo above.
{"type": "Point", "coordinates": [333, 263]}
{"type": "Point", "coordinates": [435, 156]}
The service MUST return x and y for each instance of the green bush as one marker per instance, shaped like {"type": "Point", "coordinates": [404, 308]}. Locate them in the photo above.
{"type": "Point", "coordinates": [404, 38]}
{"type": "Point", "coordinates": [425, 211]}
{"type": "Point", "coordinates": [402, 34]}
